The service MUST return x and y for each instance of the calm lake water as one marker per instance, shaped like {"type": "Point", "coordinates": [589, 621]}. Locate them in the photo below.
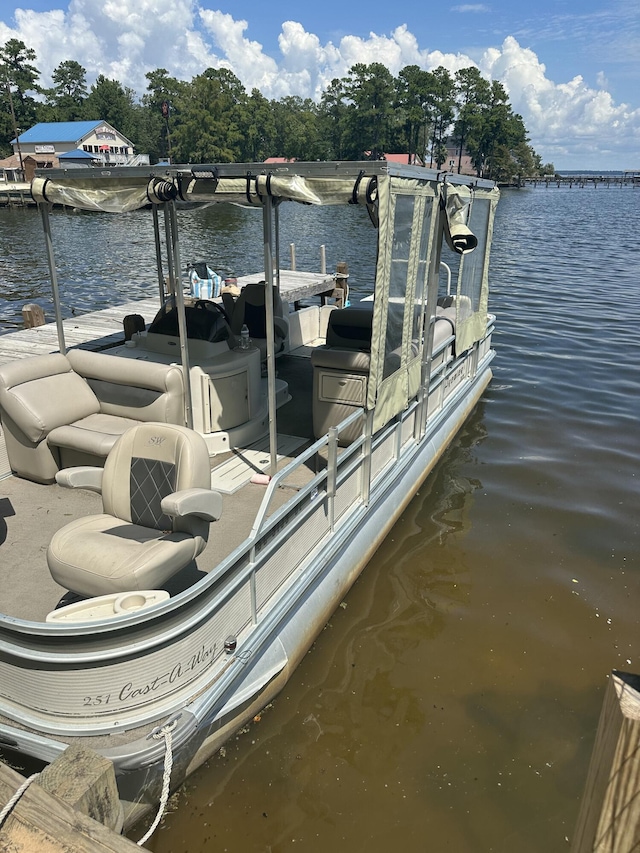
{"type": "Point", "coordinates": [452, 702]}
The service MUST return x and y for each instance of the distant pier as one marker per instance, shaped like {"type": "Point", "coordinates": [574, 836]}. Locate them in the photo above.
{"type": "Point", "coordinates": [631, 177]}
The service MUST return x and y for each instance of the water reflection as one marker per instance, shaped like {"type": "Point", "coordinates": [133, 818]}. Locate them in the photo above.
{"type": "Point", "coordinates": [346, 755]}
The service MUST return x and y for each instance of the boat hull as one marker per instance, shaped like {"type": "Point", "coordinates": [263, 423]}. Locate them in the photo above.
{"type": "Point", "coordinates": [293, 637]}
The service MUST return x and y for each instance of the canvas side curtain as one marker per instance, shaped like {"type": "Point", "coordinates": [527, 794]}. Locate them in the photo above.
{"type": "Point", "coordinates": [407, 210]}
{"type": "Point", "coordinates": [475, 211]}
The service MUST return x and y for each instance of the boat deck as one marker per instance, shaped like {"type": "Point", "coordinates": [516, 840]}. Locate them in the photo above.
{"type": "Point", "coordinates": [30, 513]}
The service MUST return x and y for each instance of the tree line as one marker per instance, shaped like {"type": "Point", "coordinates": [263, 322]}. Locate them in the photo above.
{"type": "Point", "coordinates": [212, 118]}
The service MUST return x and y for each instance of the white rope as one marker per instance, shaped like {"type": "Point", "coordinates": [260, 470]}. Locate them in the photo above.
{"type": "Point", "coordinates": [166, 732]}
{"type": "Point", "coordinates": [7, 809]}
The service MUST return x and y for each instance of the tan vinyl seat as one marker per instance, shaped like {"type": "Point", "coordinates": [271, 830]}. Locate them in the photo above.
{"type": "Point", "coordinates": [38, 395]}
{"type": "Point", "coordinates": [157, 507]}
{"type": "Point", "coordinates": [341, 371]}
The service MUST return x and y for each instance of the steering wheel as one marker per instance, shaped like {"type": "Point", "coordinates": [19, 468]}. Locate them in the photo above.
{"type": "Point", "coordinates": [207, 305]}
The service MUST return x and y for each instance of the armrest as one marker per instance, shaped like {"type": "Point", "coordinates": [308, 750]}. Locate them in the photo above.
{"type": "Point", "coordinates": [228, 303]}
{"type": "Point", "coordinates": [82, 477]}
{"type": "Point", "coordinates": [203, 503]}
{"type": "Point", "coordinates": [280, 327]}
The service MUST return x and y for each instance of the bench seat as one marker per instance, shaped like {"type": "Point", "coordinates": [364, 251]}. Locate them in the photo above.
{"type": "Point", "coordinates": [58, 411]}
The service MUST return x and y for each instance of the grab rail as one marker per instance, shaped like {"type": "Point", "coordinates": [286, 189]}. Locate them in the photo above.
{"type": "Point", "coordinates": [448, 271]}
{"type": "Point", "coordinates": [278, 478]}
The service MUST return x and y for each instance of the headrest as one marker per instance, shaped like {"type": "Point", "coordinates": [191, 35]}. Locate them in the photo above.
{"type": "Point", "coordinates": [350, 328]}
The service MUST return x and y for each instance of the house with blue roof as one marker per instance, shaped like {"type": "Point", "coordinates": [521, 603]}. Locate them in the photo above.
{"type": "Point", "coordinates": [75, 143]}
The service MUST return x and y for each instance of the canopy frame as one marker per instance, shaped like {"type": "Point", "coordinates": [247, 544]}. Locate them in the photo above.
{"type": "Point", "coordinates": [427, 206]}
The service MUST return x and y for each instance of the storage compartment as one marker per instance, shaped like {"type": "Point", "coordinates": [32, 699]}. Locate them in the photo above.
{"type": "Point", "coordinates": [227, 391]}
{"type": "Point", "coordinates": [342, 388]}
{"type": "Point", "coordinates": [341, 371]}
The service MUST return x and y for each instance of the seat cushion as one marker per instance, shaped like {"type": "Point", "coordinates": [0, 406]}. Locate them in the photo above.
{"type": "Point", "coordinates": [101, 554]}
{"type": "Point", "coordinates": [95, 435]}
{"type": "Point", "coordinates": [333, 358]}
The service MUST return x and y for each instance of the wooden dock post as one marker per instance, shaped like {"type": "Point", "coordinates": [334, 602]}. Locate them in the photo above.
{"type": "Point", "coordinates": [342, 283]}
{"type": "Point", "coordinates": [87, 782]}
{"type": "Point", "coordinates": [55, 814]}
{"type": "Point", "coordinates": [609, 818]}
{"type": "Point", "coordinates": [33, 315]}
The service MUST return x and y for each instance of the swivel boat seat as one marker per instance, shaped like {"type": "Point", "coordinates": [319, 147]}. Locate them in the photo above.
{"type": "Point", "coordinates": [250, 309]}
{"type": "Point", "coordinates": [157, 508]}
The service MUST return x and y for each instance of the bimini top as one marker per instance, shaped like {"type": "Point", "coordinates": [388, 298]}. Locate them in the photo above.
{"type": "Point", "coordinates": [119, 190]}
{"type": "Point", "coordinates": [320, 183]}
{"type": "Point", "coordinates": [413, 209]}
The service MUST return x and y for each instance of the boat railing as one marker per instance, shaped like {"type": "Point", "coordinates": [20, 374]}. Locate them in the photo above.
{"type": "Point", "coordinates": [284, 539]}
{"type": "Point", "coordinates": [330, 442]}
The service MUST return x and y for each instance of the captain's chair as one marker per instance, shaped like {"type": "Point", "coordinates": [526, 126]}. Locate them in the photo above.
{"type": "Point", "coordinates": [250, 309]}
{"type": "Point", "coordinates": [157, 506]}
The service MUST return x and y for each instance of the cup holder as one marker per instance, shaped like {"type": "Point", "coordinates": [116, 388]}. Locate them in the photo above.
{"type": "Point", "coordinates": [130, 601]}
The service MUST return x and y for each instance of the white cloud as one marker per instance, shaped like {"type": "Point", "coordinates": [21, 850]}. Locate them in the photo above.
{"type": "Point", "coordinates": [123, 39]}
{"type": "Point", "coordinates": [564, 120]}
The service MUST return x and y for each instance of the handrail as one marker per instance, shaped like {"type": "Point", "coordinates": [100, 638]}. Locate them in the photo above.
{"type": "Point", "coordinates": [296, 463]}
{"type": "Point", "coordinates": [448, 270]}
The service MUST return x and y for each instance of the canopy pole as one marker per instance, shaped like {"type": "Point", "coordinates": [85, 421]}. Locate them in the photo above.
{"type": "Point", "coordinates": [46, 225]}
{"type": "Point", "coordinates": [430, 305]}
{"type": "Point", "coordinates": [277, 238]}
{"type": "Point", "coordinates": [170, 259]}
{"type": "Point", "coordinates": [182, 323]}
{"type": "Point", "coordinates": [267, 211]}
{"type": "Point", "coordinates": [156, 234]}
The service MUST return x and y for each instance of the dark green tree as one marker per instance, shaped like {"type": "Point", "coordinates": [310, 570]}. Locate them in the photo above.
{"type": "Point", "coordinates": [67, 96]}
{"type": "Point", "coordinates": [160, 113]}
{"type": "Point", "coordinates": [332, 120]}
{"type": "Point", "coordinates": [109, 101]}
{"type": "Point", "coordinates": [210, 109]}
{"type": "Point", "coordinates": [297, 129]}
{"type": "Point", "coordinates": [370, 91]}
{"type": "Point", "coordinates": [473, 95]}
{"type": "Point", "coordinates": [440, 102]}
{"type": "Point", "coordinates": [258, 122]}
{"type": "Point", "coordinates": [414, 107]}
{"type": "Point", "coordinates": [498, 142]}
{"type": "Point", "coordinates": [18, 77]}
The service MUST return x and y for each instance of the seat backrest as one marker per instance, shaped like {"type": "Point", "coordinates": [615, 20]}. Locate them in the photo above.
{"type": "Point", "coordinates": [250, 308]}
{"type": "Point", "coordinates": [350, 328]}
{"type": "Point", "coordinates": [201, 324]}
{"type": "Point", "coordinates": [132, 388]}
{"type": "Point", "coordinates": [42, 393]}
{"type": "Point", "coordinates": [146, 464]}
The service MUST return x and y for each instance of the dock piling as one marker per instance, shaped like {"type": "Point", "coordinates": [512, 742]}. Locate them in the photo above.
{"type": "Point", "coordinates": [33, 315]}
{"type": "Point", "coordinates": [63, 807]}
{"type": "Point", "coordinates": [609, 818]}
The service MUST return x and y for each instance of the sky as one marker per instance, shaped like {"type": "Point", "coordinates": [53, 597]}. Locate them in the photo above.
{"type": "Point", "coordinates": [571, 67]}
